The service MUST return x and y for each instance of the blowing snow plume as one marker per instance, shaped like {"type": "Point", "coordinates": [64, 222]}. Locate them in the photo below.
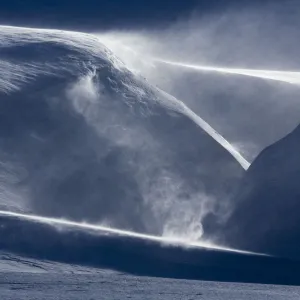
{"type": "Point", "coordinates": [228, 68]}
{"type": "Point", "coordinates": [284, 76]}
{"type": "Point", "coordinates": [86, 139]}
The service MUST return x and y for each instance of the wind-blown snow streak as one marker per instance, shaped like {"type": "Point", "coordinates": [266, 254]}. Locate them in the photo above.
{"type": "Point", "coordinates": [115, 231]}
{"type": "Point", "coordinates": [291, 77]}
{"type": "Point", "coordinates": [284, 76]}
{"type": "Point", "coordinates": [213, 133]}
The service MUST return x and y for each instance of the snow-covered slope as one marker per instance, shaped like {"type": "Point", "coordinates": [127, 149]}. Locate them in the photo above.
{"type": "Point", "coordinates": [267, 217]}
{"type": "Point", "coordinates": [84, 138]}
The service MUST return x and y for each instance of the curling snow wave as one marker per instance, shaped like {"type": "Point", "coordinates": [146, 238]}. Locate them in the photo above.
{"type": "Point", "coordinates": [84, 139]}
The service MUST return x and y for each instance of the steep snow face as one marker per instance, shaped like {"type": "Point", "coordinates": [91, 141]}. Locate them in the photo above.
{"type": "Point", "coordinates": [267, 215]}
{"type": "Point", "coordinates": [82, 137]}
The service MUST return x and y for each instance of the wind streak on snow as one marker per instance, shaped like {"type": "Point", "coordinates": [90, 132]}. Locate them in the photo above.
{"type": "Point", "coordinates": [284, 76]}
{"type": "Point", "coordinates": [219, 138]}
{"type": "Point", "coordinates": [120, 232]}
{"type": "Point", "coordinates": [211, 131]}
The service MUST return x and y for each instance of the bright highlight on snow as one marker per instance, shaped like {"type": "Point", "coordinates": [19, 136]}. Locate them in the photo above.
{"type": "Point", "coordinates": [284, 76]}
{"type": "Point", "coordinates": [292, 77]}
{"type": "Point", "coordinates": [120, 232]}
{"type": "Point", "coordinates": [217, 137]}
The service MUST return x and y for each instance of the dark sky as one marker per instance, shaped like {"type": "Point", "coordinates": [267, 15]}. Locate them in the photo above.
{"type": "Point", "coordinates": [97, 14]}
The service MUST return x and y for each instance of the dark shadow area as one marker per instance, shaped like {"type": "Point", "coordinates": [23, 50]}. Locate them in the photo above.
{"type": "Point", "coordinates": [267, 214]}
